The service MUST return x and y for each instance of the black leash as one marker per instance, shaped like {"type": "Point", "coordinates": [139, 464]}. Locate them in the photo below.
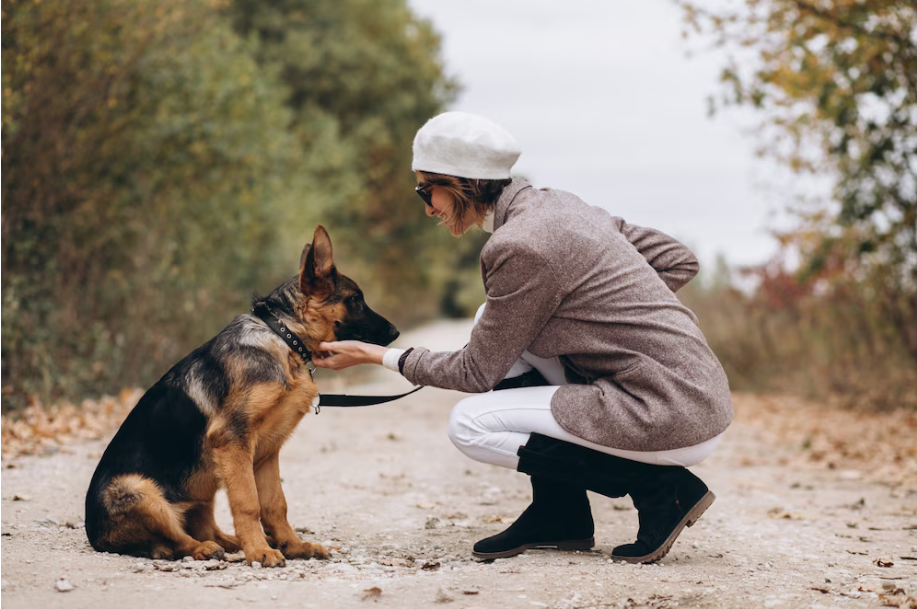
{"type": "Point", "coordinates": [296, 345]}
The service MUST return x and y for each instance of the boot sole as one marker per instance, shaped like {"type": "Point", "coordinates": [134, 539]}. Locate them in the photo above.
{"type": "Point", "coordinates": [690, 518]}
{"type": "Point", "coordinates": [566, 546]}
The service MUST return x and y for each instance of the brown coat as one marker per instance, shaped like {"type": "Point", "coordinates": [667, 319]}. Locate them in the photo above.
{"type": "Point", "coordinates": [565, 279]}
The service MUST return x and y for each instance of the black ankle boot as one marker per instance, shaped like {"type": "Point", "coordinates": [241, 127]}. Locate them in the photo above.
{"type": "Point", "coordinates": [667, 498]}
{"type": "Point", "coordinates": [666, 503]}
{"type": "Point", "coordinates": [558, 517]}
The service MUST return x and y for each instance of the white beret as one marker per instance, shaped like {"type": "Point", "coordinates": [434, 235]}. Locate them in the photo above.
{"type": "Point", "coordinates": [466, 146]}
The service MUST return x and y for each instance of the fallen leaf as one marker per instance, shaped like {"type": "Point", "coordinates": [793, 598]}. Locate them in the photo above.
{"type": "Point", "coordinates": [883, 562]}
{"type": "Point", "coordinates": [780, 513]}
{"type": "Point", "coordinates": [372, 593]}
{"type": "Point", "coordinates": [899, 599]}
{"type": "Point", "coordinates": [21, 498]}
{"type": "Point", "coordinates": [430, 566]}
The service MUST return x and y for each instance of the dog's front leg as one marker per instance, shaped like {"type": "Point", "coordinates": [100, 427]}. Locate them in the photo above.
{"type": "Point", "coordinates": [274, 513]}
{"type": "Point", "coordinates": [235, 465]}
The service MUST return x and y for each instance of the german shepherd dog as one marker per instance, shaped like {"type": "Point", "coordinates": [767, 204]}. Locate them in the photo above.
{"type": "Point", "coordinates": [218, 419]}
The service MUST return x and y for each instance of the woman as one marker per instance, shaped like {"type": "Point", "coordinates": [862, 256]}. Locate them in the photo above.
{"type": "Point", "coordinates": [607, 383]}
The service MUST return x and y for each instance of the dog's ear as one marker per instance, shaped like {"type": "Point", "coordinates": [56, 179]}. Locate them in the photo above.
{"type": "Point", "coordinates": [303, 256]}
{"type": "Point", "coordinates": [317, 274]}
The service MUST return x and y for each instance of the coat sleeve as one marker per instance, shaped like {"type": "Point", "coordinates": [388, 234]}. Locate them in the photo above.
{"type": "Point", "coordinates": [671, 259]}
{"type": "Point", "coordinates": [522, 294]}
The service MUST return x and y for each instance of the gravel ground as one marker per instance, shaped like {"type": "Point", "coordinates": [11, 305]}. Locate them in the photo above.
{"type": "Point", "coordinates": [401, 507]}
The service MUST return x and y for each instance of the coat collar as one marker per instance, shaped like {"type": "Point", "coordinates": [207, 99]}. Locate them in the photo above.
{"type": "Point", "coordinates": [501, 209]}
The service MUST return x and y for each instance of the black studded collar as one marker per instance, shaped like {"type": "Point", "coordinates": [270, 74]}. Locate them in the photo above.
{"type": "Point", "coordinates": [264, 313]}
{"type": "Point", "coordinates": [294, 342]}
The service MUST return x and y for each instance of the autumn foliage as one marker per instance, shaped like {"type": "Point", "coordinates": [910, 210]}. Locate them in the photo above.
{"type": "Point", "coordinates": [834, 313]}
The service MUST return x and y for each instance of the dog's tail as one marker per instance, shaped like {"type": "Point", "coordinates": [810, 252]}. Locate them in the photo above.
{"type": "Point", "coordinates": [124, 493]}
{"type": "Point", "coordinates": [131, 515]}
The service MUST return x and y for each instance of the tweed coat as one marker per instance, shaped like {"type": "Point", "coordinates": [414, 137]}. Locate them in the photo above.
{"type": "Point", "coordinates": [565, 279]}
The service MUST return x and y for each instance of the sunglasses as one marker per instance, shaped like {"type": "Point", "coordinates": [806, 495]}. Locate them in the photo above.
{"type": "Point", "coordinates": [426, 195]}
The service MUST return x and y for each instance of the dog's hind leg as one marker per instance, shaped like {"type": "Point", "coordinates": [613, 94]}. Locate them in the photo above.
{"type": "Point", "coordinates": [142, 516]}
{"type": "Point", "coordinates": [201, 524]}
{"type": "Point", "coordinates": [274, 513]}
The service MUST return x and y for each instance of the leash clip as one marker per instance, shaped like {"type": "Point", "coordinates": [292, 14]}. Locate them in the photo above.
{"type": "Point", "coordinates": [310, 366]}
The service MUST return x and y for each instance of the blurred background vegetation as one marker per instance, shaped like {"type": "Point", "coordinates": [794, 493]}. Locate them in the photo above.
{"type": "Point", "coordinates": [834, 313]}
{"type": "Point", "coordinates": [162, 159]}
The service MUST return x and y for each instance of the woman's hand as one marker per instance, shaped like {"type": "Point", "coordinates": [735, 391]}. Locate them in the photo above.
{"type": "Point", "coordinates": [346, 353]}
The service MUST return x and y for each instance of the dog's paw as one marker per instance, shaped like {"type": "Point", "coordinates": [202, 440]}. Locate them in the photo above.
{"type": "Point", "coordinates": [268, 557]}
{"type": "Point", "coordinates": [319, 552]}
{"type": "Point", "coordinates": [208, 550]}
{"type": "Point", "coordinates": [162, 553]}
{"type": "Point", "coordinates": [303, 549]}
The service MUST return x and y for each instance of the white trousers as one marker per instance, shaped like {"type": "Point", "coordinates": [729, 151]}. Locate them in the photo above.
{"type": "Point", "coordinates": [491, 427]}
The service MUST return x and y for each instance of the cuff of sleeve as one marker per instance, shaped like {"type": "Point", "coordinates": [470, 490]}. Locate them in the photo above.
{"type": "Point", "coordinates": [403, 359]}
{"type": "Point", "coordinates": [390, 359]}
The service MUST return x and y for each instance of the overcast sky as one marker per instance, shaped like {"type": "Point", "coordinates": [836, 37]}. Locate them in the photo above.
{"type": "Point", "coordinates": [606, 104]}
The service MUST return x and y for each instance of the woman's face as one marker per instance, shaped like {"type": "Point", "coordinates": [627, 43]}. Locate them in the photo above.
{"type": "Point", "coordinates": [440, 206]}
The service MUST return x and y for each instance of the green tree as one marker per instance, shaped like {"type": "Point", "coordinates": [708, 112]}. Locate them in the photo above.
{"type": "Point", "coordinates": [837, 83]}
{"type": "Point", "coordinates": [146, 158]}
{"type": "Point", "coordinates": [362, 76]}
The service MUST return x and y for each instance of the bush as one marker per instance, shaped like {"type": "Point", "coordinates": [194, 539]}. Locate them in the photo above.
{"type": "Point", "coordinates": [844, 334]}
{"type": "Point", "coordinates": [146, 158]}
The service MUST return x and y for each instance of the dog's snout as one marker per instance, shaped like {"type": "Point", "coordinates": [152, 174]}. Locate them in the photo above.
{"type": "Point", "coordinates": [389, 334]}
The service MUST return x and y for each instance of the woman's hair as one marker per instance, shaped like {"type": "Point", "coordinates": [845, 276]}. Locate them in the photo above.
{"type": "Point", "coordinates": [467, 194]}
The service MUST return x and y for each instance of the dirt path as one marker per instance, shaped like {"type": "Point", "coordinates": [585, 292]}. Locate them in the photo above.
{"type": "Point", "coordinates": [385, 486]}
